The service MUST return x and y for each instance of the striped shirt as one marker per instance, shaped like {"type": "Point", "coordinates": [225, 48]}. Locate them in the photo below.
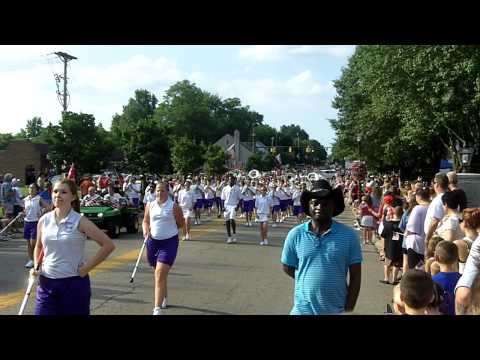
{"type": "Point", "coordinates": [321, 265]}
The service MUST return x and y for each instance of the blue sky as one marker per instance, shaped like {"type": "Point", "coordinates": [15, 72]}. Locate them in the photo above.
{"type": "Point", "coordinates": [287, 84]}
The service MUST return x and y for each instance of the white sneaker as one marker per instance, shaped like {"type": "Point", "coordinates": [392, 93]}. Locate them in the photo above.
{"type": "Point", "coordinates": [234, 240]}
{"type": "Point", "coordinates": [274, 225]}
{"type": "Point", "coordinates": [29, 264]}
{"type": "Point", "coordinates": [187, 237]}
{"type": "Point", "coordinates": [164, 304]}
{"type": "Point", "coordinates": [256, 220]}
{"type": "Point", "coordinates": [265, 242]}
{"type": "Point", "coordinates": [157, 311]}
{"type": "Point", "coordinates": [229, 240]}
{"type": "Point", "coordinates": [199, 222]}
{"type": "Point", "coordinates": [184, 238]}
{"type": "Point", "coordinates": [262, 243]}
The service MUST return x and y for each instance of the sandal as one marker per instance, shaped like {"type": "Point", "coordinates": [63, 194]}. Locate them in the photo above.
{"type": "Point", "coordinates": [384, 281]}
{"type": "Point", "coordinates": [381, 258]}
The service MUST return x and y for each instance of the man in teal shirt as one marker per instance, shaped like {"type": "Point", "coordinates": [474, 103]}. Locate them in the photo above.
{"type": "Point", "coordinates": [320, 253]}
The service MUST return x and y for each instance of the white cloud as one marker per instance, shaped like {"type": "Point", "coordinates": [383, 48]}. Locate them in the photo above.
{"type": "Point", "coordinates": [98, 90]}
{"type": "Point", "coordinates": [267, 91]}
{"type": "Point", "coordinates": [275, 52]}
{"type": "Point", "coordinates": [197, 77]}
{"type": "Point", "coordinates": [263, 52]}
{"type": "Point", "coordinates": [137, 72]}
{"type": "Point", "coordinates": [28, 53]}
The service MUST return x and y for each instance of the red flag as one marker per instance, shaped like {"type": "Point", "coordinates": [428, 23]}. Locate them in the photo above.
{"type": "Point", "coordinates": [72, 173]}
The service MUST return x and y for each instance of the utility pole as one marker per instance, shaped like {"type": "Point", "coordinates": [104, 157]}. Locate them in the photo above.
{"type": "Point", "coordinates": [65, 58]}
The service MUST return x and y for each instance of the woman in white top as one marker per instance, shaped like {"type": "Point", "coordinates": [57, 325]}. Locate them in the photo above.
{"type": "Point", "coordinates": [34, 206]}
{"type": "Point", "coordinates": [161, 222]}
{"type": "Point", "coordinates": [449, 227]}
{"type": "Point", "coordinates": [470, 218]}
{"type": "Point", "coordinates": [186, 202]}
{"type": "Point", "coordinates": [263, 204]}
{"type": "Point", "coordinates": [64, 285]}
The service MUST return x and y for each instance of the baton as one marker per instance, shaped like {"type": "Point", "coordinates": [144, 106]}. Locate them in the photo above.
{"type": "Point", "coordinates": [10, 223]}
{"type": "Point", "coordinates": [138, 260]}
{"type": "Point", "coordinates": [31, 282]}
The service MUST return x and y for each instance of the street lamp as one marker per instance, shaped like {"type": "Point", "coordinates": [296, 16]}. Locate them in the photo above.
{"type": "Point", "coordinates": [467, 154]}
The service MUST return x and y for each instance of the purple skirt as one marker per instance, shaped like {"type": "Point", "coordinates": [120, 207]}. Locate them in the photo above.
{"type": "Point", "coordinates": [68, 296]}
{"type": "Point", "coordinates": [162, 251]}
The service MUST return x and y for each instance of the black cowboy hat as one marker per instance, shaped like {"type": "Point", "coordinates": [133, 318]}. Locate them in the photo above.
{"type": "Point", "coordinates": [322, 189]}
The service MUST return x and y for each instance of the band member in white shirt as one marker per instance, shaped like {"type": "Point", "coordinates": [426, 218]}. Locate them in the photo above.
{"type": "Point", "coordinates": [231, 194]}
{"type": "Point", "coordinates": [209, 188]}
{"type": "Point", "coordinates": [248, 194]}
{"type": "Point", "coordinates": [186, 202]}
{"type": "Point", "coordinates": [263, 204]}
{"type": "Point", "coordinates": [198, 194]}
{"type": "Point", "coordinates": [275, 204]}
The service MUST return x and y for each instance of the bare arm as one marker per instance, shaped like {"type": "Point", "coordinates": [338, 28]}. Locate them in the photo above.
{"type": "Point", "coordinates": [290, 271]}
{"type": "Point", "coordinates": [431, 230]}
{"type": "Point", "coordinates": [38, 249]}
{"type": "Point", "coordinates": [355, 272]}
{"type": "Point", "coordinates": [106, 245]}
{"type": "Point", "coordinates": [146, 222]}
{"type": "Point", "coordinates": [178, 216]}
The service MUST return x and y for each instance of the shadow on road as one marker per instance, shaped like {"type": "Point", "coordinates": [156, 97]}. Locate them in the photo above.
{"type": "Point", "coordinates": [214, 312]}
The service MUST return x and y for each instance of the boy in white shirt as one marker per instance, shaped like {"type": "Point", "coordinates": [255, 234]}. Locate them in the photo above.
{"type": "Point", "coordinates": [231, 194]}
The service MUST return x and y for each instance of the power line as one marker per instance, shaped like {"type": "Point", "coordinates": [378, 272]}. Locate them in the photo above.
{"type": "Point", "coordinates": [63, 98]}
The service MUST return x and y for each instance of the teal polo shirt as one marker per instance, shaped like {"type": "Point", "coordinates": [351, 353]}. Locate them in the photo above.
{"type": "Point", "coordinates": [321, 264]}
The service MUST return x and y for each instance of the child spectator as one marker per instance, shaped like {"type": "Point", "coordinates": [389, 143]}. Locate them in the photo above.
{"type": "Point", "coordinates": [469, 225]}
{"type": "Point", "coordinates": [416, 292]}
{"type": "Point", "coordinates": [446, 255]}
{"type": "Point", "coordinates": [366, 220]}
{"type": "Point", "coordinates": [431, 265]}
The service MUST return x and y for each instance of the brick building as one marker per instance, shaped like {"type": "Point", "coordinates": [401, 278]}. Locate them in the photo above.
{"type": "Point", "coordinates": [25, 160]}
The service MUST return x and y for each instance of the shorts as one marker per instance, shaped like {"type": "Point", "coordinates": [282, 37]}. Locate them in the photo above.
{"type": "Point", "coordinates": [135, 201]}
{"type": "Point", "coordinates": [207, 203]}
{"type": "Point", "coordinates": [263, 218]}
{"type": "Point", "coordinates": [414, 258]}
{"type": "Point", "coordinates": [298, 209]}
{"type": "Point", "coordinates": [198, 204]}
{"type": "Point", "coordinates": [275, 208]}
{"type": "Point", "coordinates": [162, 251]}
{"type": "Point", "coordinates": [248, 205]}
{"type": "Point", "coordinates": [367, 221]}
{"type": "Point", "coordinates": [30, 230]}
{"type": "Point", "coordinates": [229, 213]}
{"type": "Point", "coordinates": [283, 205]}
{"type": "Point", "coordinates": [187, 213]}
{"type": "Point", "coordinates": [68, 296]}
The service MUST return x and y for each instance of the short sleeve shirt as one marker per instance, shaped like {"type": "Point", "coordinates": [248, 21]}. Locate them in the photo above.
{"type": "Point", "coordinates": [321, 264]}
{"type": "Point", "coordinates": [435, 210]}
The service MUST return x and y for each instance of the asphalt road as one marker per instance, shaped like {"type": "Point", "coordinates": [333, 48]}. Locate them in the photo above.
{"type": "Point", "coordinates": [209, 277]}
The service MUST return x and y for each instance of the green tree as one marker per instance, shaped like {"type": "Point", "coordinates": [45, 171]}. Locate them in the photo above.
{"type": "Point", "coordinates": [33, 128]}
{"type": "Point", "coordinates": [141, 138]}
{"type": "Point", "coordinates": [5, 139]}
{"type": "Point", "coordinates": [407, 104]}
{"type": "Point", "coordinates": [186, 156]}
{"type": "Point", "coordinates": [215, 159]}
{"type": "Point", "coordinates": [76, 139]}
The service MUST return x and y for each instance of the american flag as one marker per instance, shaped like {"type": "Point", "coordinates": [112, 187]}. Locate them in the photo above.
{"type": "Point", "coordinates": [92, 201]}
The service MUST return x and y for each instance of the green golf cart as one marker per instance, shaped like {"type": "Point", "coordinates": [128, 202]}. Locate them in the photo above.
{"type": "Point", "coordinates": [112, 219]}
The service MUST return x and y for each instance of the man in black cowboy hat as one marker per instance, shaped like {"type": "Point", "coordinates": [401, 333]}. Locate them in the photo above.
{"type": "Point", "coordinates": [319, 253]}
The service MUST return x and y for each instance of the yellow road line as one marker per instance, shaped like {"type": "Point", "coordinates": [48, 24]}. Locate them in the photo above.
{"type": "Point", "coordinates": [15, 298]}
